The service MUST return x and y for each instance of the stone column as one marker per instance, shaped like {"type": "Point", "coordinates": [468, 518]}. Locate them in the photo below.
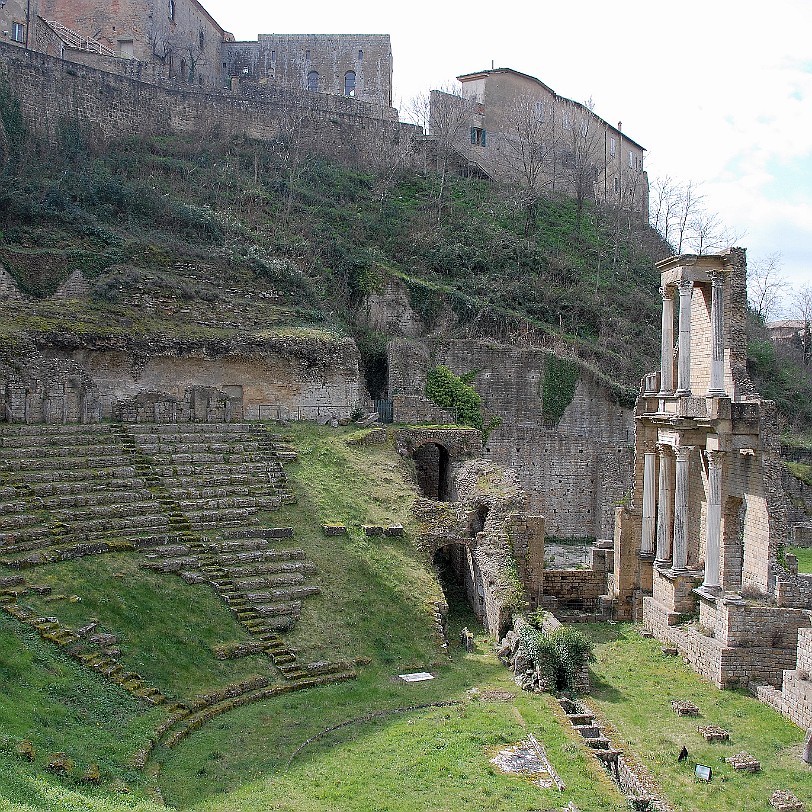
{"type": "Point", "coordinates": [713, 522]}
{"type": "Point", "coordinates": [667, 342]}
{"type": "Point", "coordinates": [665, 505]}
{"type": "Point", "coordinates": [684, 371]}
{"type": "Point", "coordinates": [649, 503]}
{"type": "Point", "coordinates": [680, 560]}
{"type": "Point", "coordinates": [717, 379]}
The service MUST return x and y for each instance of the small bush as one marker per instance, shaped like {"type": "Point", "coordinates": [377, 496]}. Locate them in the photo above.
{"type": "Point", "coordinates": [558, 656]}
{"type": "Point", "coordinates": [450, 391]}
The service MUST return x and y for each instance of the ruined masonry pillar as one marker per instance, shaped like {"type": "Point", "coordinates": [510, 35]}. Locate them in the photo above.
{"type": "Point", "coordinates": [649, 503]}
{"type": "Point", "coordinates": [665, 505]}
{"type": "Point", "coordinates": [680, 561]}
{"type": "Point", "coordinates": [684, 370]}
{"type": "Point", "coordinates": [717, 380]}
{"type": "Point", "coordinates": [667, 342]}
{"type": "Point", "coordinates": [713, 522]}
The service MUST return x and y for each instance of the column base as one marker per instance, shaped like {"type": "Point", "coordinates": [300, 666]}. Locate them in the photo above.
{"type": "Point", "coordinates": [662, 563]}
{"type": "Point", "coordinates": [646, 556]}
{"type": "Point", "coordinates": [710, 592]}
{"type": "Point", "coordinates": [663, 393]}
{"type": "Point", "coordinates": [717, 393]}
{"type": "Point", "coordinates": [682, 393]}
{"type": "Point", "coordinates": [680, 571]}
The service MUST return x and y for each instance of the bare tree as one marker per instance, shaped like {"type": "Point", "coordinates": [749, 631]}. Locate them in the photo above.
{"type": "Point", "coordinates": [801, 309]}
{"type": "Point", "coordinates": [449, 118]}
{"type": "Point", "coordinates": [582, 151]}
{"type": "Point", "coordinates": [766, 287]}
{"type": "Point", "coordinates": [525, 149]}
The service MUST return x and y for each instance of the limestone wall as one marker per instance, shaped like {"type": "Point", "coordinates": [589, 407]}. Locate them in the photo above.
{"type": "Point", "coordinates": [305, 379]}
{"type": "Point", "coordinates": [575, 471]}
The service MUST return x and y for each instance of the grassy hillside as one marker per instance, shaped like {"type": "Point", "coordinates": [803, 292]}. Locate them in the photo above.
{"type": "Point", "coordinates": [216, 241]}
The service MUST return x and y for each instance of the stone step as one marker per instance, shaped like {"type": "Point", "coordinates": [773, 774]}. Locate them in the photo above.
{"type": "Point", "coordinates": [215, 469]}
{"type": "Point", "coordinates": [75, 463]}
{"type": "Point", "coordinates": [196, 445]}
{"type": "Point", "coordinates": [270, 581]}
{"type": "Point", "coordinates": [267, 610]}
{"type": "Point", "coordinates": [58, 429]}
{"type": "Point", "coordinates": [259, 533]}
{"type": "Point", "coordinates": [264, 556]}
{"type": "Point", "coordinates": [191, 429]}
{"type": "Point", "coordinates": [293, 593]}
{"type": "Point", "coordinates": [7, 493]}
{"type": "Point", "coordinates": [69, 474]}
{"type": "Point", "coordinates": [207, 458]}
{"type": "Point", "coordinates": [82, 515]}
{"type": "Point", "coordinates": [270, 568]}
{"type": "Point", "coordinates": [252, 503]}
{"type": "Point", "coordinates": [18, 521]}
{"type": "Point", "coordinates": [58, 450]}
{"type": "Point", "coordinates": [98, 498]}
{"type": "Point", "coordinates": [211, 518]}
{"type": "Point", "coordinates": [101, 485]}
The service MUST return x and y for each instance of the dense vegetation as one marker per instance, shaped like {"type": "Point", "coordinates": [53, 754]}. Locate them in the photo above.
{"type": "Point", "coordinates": [144, 216]}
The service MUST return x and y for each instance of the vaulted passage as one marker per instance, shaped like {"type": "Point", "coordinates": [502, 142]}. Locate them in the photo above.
{"type": "Point", "coordinates": [460, 579]}
{"type": "Point", "coordinates": [431, 462]}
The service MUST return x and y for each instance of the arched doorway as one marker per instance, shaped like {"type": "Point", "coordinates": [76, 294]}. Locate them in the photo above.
{"type": "Point", "coordinates": [461, 581]}
{"type": "Point", "coordinates": [432, 464]}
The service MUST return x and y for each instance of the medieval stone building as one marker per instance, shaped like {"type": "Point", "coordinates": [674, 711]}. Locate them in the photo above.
{"type": "Point", "coordinates": [520, 130]}
{"type": "Point", "coordinates": [178, 41]}
{"type": "Point", "coordinates": [353, 65]}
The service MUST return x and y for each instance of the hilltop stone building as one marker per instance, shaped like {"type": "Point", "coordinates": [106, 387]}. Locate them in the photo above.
{"type": "Point", "coordinates": [518, 129]}
{"type": "Point", "coordinates": [179, 41]}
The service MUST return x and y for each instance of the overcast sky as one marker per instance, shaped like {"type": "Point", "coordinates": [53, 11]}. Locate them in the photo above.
{"type": "Point", "coordinates": [719, 92]}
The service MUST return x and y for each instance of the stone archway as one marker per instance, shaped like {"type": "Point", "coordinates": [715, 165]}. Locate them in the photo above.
{"type": "Point", "coordinates": [460, 578]}
{"type": "Point", "coordinates": [432, 463]}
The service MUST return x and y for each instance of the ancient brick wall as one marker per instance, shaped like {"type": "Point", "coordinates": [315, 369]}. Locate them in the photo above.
{"type": "Point", "coordinates": [108, 106]}
{"type": "Point", "coordinates": [575, 471]}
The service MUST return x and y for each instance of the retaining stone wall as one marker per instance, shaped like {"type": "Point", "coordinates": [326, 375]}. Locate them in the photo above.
{"type": "Point", "coordinates": [110, 106]}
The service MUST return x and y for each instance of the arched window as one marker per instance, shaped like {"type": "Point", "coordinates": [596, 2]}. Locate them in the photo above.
{"type": "Point", "coordinates": [349, 83]}
{"type": "Point", "coordinates": [313, 81]}
{"type": "Point", "coordinates": [171, 9]}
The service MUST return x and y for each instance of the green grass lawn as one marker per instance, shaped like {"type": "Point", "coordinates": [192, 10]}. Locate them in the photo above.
{"type": "Point", "coordinates": [804, 556]}
{"type": "Point", "coordinates": [633, 688]}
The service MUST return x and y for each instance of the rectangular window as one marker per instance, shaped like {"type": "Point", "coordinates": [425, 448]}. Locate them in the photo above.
{"type": "Point", "coordinates": [617, 185]}
{"type": "Point", "coordinates": [307, 56]}
{"type": "Point", "coordinates": [565, 120]}
{"type": "Point", "coordinates": [631, 159]}
{"type": "Point", "coordinates": [18, 32]}
{"type": "Point", "coordinates": [613, 147]}
{"type": "Point", "coordinates": [479, 137]}
{"type": "Point", "coordinates": [273, 56]}
{"type": "Point", "coordinates": [360, 56]}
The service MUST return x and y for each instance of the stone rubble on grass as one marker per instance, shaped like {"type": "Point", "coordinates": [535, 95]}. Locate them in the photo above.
{"type": "Point", "coordinates": [786, 801]}
{"type": "Point", "coordinates": [712, 733]}
{"type": "Point", "coordinates": [744, 762]}
{"type": "Point", "coordinates": [684, 708]}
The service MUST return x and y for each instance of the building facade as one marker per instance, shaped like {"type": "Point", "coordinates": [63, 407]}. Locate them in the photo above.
{"type": "Point", "coordinates": [17, 21]}
{"type": "Point", "coordinates": [353, 65]}
{"type": "Point", "coordinates": [521, 131]}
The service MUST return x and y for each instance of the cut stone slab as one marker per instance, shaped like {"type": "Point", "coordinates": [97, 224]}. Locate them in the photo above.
{"type": "Point", "coordinates": [684, 708]}
{"type": "Point", "coordinates": [744, 762]}
{"type": "Point", "coordinates": [786, 801]}
{"type": "Point", "coordinates": [528, 759]}
{"type": "Point", "coordinates": [418, 676]}
{"type": "Point", "coordinates": [712, 733]}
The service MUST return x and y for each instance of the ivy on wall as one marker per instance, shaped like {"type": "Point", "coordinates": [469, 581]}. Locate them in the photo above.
{"type": "Point", "coordinates": [558, 387]}
{"type": "Point", "coordinates": [450, 391]}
